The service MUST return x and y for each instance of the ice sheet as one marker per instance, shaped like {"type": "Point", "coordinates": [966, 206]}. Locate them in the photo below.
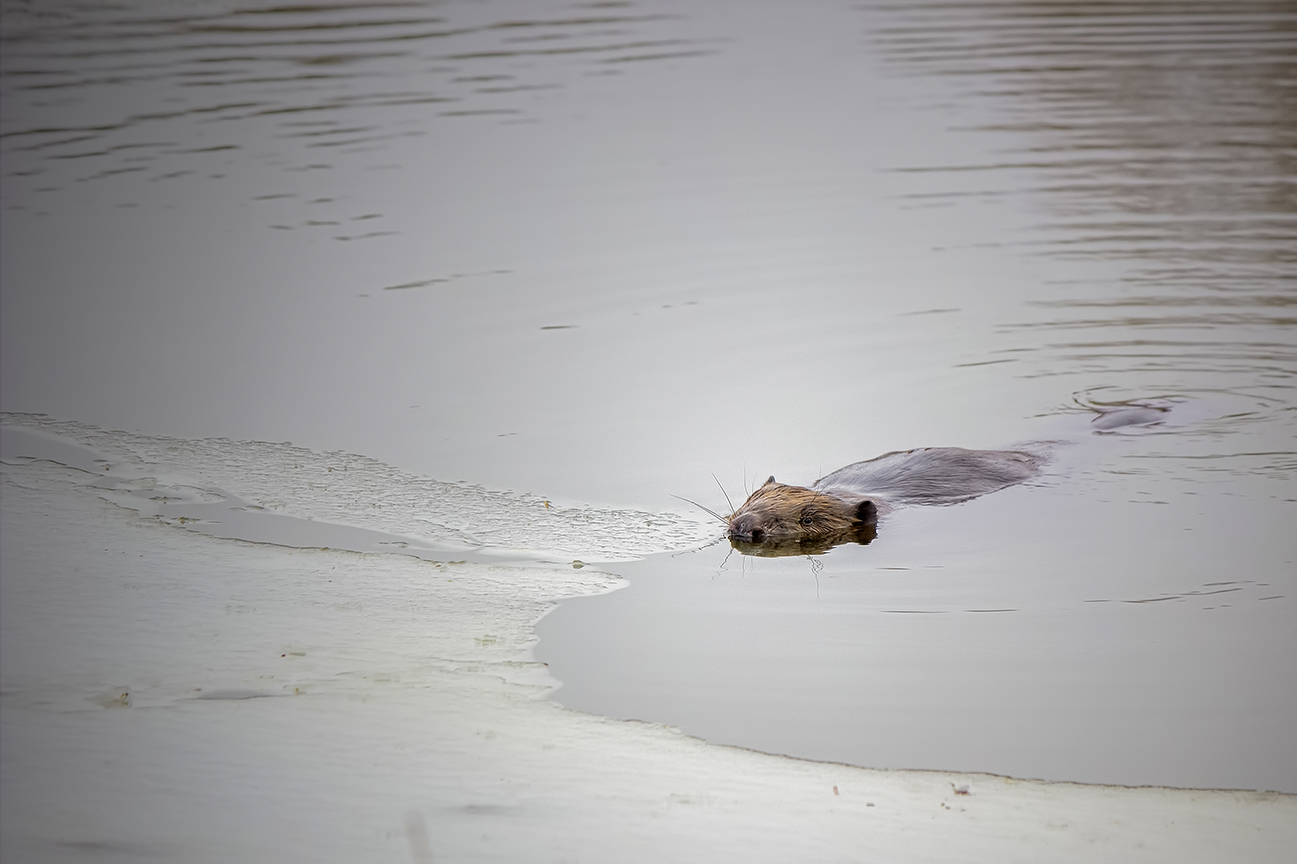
{"type": "Point", "coordinates": [349, 491]}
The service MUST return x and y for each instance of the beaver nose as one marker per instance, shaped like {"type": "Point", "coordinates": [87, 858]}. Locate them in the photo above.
{"type": "Point", "coordinates": [745, 528]}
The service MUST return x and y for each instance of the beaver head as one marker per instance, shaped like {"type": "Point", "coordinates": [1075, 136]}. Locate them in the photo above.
{"type": "Point", "coordinates": [776, 513]}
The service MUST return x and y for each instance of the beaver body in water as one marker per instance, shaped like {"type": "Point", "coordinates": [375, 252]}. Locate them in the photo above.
{"type": "Point", "coordinates": [844, 506]}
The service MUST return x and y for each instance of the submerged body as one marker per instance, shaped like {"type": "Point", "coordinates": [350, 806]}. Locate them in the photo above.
{"type": "Point", "coordinates": [844, 506]}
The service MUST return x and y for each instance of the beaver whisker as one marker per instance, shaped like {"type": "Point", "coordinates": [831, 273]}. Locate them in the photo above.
{"type": "Point", "coordinates": [724, 521]}
{"type": "Point", "coordinates": [723, 492]}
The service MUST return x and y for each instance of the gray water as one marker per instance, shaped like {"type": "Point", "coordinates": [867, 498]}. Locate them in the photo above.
{"type": "Point", "coordinates": [595, 253]}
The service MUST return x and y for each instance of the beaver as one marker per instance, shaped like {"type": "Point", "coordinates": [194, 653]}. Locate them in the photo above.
{"type": "Point", "coordinates": [844, 506]}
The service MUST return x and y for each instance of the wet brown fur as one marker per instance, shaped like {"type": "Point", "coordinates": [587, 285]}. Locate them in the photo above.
{"type": "Point", "coordinates": [778, 512]}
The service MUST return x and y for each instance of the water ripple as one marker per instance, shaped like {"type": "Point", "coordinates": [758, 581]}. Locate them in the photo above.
{"type": "Point", "coordinates": [1150, 130]}
{"type": "Point", "coordinates": [1156, 147]}
{"type": "Point", "coordinates": [95, 84]}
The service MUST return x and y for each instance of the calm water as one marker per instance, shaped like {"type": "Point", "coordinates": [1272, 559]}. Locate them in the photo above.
{"type": "Point", "coordinates": [596, 252]}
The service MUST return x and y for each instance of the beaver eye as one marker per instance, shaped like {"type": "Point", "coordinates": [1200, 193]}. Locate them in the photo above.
{"type": "Point", "coordinates": [807, 520]}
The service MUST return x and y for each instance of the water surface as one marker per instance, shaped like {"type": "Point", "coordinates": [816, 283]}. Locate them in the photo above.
{"type": "Point", "coordinates": [593, 253]}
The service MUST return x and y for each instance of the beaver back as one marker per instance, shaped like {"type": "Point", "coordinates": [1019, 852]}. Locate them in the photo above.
{"type": "Point", "coordinates": [931, 475]}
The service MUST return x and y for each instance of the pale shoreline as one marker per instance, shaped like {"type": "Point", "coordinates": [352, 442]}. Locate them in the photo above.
{"type": "Point", "coordinates": [406, 707]}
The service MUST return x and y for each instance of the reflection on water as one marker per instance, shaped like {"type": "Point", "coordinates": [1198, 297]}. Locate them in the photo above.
{"type": "Point", "coordinates": [783, 547]}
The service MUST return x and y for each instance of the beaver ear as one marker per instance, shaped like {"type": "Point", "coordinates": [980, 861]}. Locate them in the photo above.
{"type": "Point", "coordinates": [867, 512]}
